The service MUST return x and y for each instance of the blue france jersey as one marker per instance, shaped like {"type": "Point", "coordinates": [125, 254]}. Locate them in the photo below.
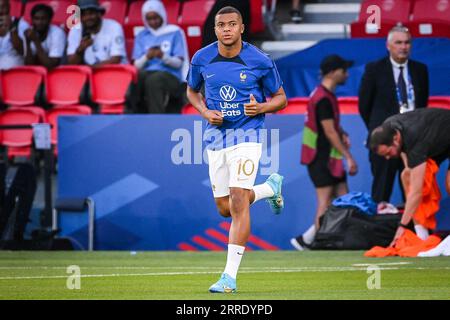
{"type": "Point", "coordinates": [228, 85]}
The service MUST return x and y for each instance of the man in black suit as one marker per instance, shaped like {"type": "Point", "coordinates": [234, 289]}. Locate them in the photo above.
{"type": "Point", "coordinates": [392, 85]}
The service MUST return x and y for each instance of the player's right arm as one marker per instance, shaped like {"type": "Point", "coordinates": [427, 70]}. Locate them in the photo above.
{"type": "Point", "coordinates": [335, 140]}
{"type": "Point", "coordinates": [214, 117]}
{"type": "Point", "coordinates": [195, 81]}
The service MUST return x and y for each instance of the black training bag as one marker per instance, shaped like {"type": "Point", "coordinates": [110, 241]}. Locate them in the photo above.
{"type": "Point", "coordinates": [347, 228]}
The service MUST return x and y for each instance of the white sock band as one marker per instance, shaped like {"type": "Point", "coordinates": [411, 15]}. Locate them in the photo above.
{"type": "Point", "coordinates": [309, 234]}
{"type": "Point", "coordinates": [234, 257]}
{"type": "Point", "coordinates": [262, 191]}
{"type": "Point", "coordinates": [421, 231]}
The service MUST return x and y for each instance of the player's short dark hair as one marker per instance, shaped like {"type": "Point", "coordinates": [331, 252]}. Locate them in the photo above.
{"type": "Point", "coordinates": [229, 9]}
{"type": "Point", "coordinates": [382, 135]}
{"type": "Point", "coordinates": [42, 7]}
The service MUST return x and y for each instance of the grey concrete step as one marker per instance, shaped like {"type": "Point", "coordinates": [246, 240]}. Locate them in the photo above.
{"type": "Point", "coordinates": [314, 31]}
{"type": "Point", "coordinates": [331, 13]}
{"type": "Point", "coordinates": [278, 49]}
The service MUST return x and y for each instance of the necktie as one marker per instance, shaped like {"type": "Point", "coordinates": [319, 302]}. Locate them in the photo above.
{"type": "Point", "coordinates": [402, 87]}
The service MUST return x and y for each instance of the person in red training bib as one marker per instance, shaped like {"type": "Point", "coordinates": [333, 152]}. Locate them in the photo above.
{"type": "Point", "coordinates": [325, 143]}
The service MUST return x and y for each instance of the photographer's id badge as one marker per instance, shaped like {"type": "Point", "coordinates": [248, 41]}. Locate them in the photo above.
{"type": "Point", "coordinates": [41, 134]}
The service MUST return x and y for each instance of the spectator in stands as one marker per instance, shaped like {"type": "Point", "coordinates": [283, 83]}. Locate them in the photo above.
{"type": "Point", "coordinates": [415, 137]}
{"type": "Point", "coordinates": [11, 38]}
{"type": "Point", "coordinates": [160, 53]}
{"type": "Point", "coordinates": [45, 42]}
{"type": "Point", "coordinates": [325, 143]}
{"type": "Point", "coordinates": [296, 15]}
{"type": "Point", "coordinates": [392, 85]}
{"type": "Point", "coordinates": [208, 28]}
{"type": "Point", "coordinates": [99, 41]}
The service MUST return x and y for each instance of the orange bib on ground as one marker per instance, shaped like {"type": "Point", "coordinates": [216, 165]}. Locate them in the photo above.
{"type": "Point", "coordinates": [408, 245]}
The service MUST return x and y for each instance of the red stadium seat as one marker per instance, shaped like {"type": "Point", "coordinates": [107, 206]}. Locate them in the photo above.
{"type": "Point", "coordinates": [115, 10]}
{"type": "Point", "coordinates": [52, 118]}
{"type": "Point", "coordinates": [134, 23]}
{"type": "Point", "coordinates": [432, 10]}
{"type": "Point", "coordinates": [360, 29]}
{"type": "Point", "coordinates": [133, 19]}
{"type": "Point", "coordinates": [59, 8]}
{"type": "Point", "coordinates": [18, 142]}
{"type": "Point", "coordinates": [35, 109]}
{"type": "Point", "coordinates": [65, 84]}
{"type": "Point", "coordinates": [28, 79]}
{"type": "Point", "coordinates": [16, 8]}
{"type": "Point", "coordinates": [256, 13]}
{"type": "Point", "coordinates": [391, 13]}
{"type": "Point", "coordinates": [431, 18]}
{"type": "Point", "coordinates": [109, 86]}
{"type": "Point", "coordinates": [129, 44]}
{"type": "Point", "coordinates": [439, 102]}
{"type": "Point", "coordinates": [391, 10]}
{"type": "Point", "coordinates": [173, 9]}
{"type": "Point", "coordinates": [192, 24]}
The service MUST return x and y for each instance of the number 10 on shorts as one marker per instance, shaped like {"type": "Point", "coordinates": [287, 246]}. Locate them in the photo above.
{"type": "Point", "coordinates": [246, 167]}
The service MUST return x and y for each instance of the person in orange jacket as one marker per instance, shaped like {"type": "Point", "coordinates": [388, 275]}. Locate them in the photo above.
{"type": "Point", "coordinates": [414, 136]}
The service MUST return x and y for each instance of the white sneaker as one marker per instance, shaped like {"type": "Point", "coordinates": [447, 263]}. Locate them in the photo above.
{"type": "Point", "coordinates": [299, 245]}
{"type": "Point", "coordinates": [442, 249]}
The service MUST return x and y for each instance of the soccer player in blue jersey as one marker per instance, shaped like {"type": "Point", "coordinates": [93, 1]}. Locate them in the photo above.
{"type": "Point", "coordinates": [237, 77]}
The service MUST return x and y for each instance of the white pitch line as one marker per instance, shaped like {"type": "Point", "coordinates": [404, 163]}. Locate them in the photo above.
{"type": "Point", "coordinates": [292, 270]}
{"type": "Point", "coordinates": [165, 268]}
{"type": "Point", "coordinates": [381, 264]}
{"type": "Point", "coordinates": [152, 268]}
{"type": "Point", "coordinates": [97, 267]}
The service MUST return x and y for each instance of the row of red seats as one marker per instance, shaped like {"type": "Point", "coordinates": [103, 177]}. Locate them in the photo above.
{"type": "Point", "coordinates": [19, 142]}
{"type": "Point", "coordinates": [347, 105]}
{"type": "Point", "coordinates": [119, 10]}
{"type": "Point", "coordinates": [424, 18]}
{"type": "Point", "coordinates": [189, 15]}
{"type": "Point", "coordinates": [64, 84]}
{"type": "Point", "coordinates": [62, 89]}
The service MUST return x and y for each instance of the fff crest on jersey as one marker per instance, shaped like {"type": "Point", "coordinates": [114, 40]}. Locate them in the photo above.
{"type": "Point", "coordinates": [243, 76]}
{"type": "Point", "coordinates": [228, 93]}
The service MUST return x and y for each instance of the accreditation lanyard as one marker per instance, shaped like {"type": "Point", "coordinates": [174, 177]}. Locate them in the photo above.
{"type": "Point", "coordinates": [409, 106]}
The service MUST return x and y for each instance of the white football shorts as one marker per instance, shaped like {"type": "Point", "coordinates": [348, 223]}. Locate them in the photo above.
{"type": "Point", "coordinates": [234, 166]}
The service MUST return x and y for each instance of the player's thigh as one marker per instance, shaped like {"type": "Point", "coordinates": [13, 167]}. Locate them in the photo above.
{"type": "Point", "coordinates": [218, 173]}
{"type": "Point", "coordinates": [243, 164]}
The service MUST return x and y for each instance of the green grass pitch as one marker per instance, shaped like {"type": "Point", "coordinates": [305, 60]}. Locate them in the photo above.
{"type": "Point", "coordinates": [188, 275]}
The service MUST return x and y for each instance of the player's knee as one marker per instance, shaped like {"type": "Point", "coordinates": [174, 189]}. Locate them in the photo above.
{"type": "Point", "coordinates": [239, 198]}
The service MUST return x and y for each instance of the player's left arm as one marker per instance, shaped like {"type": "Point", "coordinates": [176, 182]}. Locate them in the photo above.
{"type": "Point", "coordinates": [277, 102]}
